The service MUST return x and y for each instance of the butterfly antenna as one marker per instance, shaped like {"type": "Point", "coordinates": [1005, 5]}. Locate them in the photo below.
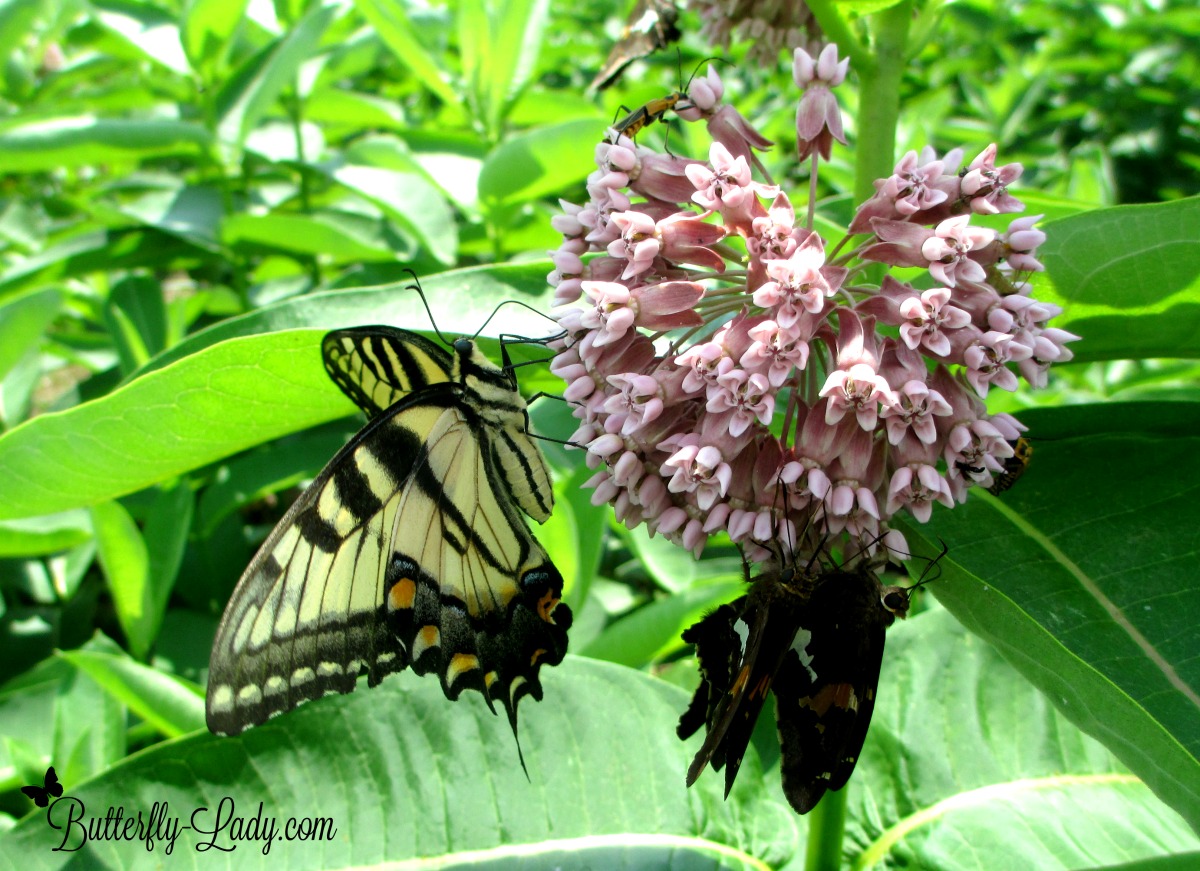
{"type": "Point", "coordinates": [416, 285]}
{"type": "Point", "coordinates": [516, 338]}
{"type": "Point", "coordinates": [684, 90]}
{"type": "Point", "coordinates": [933, 568]}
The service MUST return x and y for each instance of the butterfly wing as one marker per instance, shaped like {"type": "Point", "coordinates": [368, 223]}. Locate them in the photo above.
{"type": "Point", "coordinates": [825, 687]}
{"type": "Point", "coordinates": [651, 26]}
{"type": "Point", "coordinates": [740, 647]}
{"type": "Point", "coordinates": [37, 795]}
{"type": "Point", "coordinates": [379, 366]}
{"type": "Point", "coordinates": [409, 548]}
{"type": "Point", "coordinates": [51, 784]}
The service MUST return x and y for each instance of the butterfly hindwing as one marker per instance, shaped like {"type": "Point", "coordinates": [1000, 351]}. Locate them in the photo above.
{"type": "Point", "coordinates": [408, 549]}
{"type": "Point", "coordinates": [740, 647]}
{"type": "Point", "coordinates": [651, 26]}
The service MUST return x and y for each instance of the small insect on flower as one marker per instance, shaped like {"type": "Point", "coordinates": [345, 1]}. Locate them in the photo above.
{"type": "Point", "coordinates": [1014, 467]}
{"type": "Point", "coordinates": [637, 120]}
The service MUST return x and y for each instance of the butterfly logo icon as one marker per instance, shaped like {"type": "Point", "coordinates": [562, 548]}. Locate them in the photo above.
{"type": "Point", "coordinates": [40, 795]}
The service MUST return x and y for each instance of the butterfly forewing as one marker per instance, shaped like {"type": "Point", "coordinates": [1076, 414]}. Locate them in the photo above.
{"type": "Point", "coordinates": [378, 366]}
{"type": "Point", "coordinates": [409, 548]}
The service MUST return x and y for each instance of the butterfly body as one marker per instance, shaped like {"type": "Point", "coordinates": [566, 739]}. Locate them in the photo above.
{"type": "Point", "coordinates": [816, 641]}
{"type": "Point", "coordinates": [409, 549]}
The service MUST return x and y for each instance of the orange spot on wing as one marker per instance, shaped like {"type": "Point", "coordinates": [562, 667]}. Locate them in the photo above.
{"type": "Point", "coordinates": [837, 695]}
{"type": "Point", "coordinates": [537, 654]}
{"type": "Point", "coordinates": [402, 594]}
{"type": "Point", "coordinates": [546, 606]}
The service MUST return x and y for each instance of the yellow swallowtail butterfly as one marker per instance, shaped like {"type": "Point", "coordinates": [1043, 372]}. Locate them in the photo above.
{"type": "Point", "coordinates": [409, 549]}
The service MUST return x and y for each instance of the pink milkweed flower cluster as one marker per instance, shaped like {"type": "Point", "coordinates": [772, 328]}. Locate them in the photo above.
{"type": "Point", "coordinates": [733, 373]}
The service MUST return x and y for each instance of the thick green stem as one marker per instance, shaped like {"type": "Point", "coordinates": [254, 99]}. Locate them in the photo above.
{"type": "Point", "coordinates": [879, 100]}
{"type": "Point", "coordinates": [826, 825]}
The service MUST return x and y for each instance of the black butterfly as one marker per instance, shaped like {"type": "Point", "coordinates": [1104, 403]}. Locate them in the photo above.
{"type": "Point", "coordinates": [650, 27]}
{"type": "Point", "coordinates": [40, 795]}
{"type": "Point", "coordinates": [815, 638]}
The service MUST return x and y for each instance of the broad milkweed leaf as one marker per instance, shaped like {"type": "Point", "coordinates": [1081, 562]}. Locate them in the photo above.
{"type": "Point", "coordinates": [461, 301]}
{"type": "Point", "coordinates": [964, 752]}
{"type": "Point", "coordinates": [168, 703]}
{"type": "Point", "coordinates": [1084, 576]}
{"type": "Point", "coordinates": [84, 140]}
{"type": "Point", "coordinates": [195, 411]}
{"type": "Point", "coordinates": [1128, 279]}
{"type": "Point", "coordinates": [538, 163]}
{"type": "Point", "coordinates": [418, 776]}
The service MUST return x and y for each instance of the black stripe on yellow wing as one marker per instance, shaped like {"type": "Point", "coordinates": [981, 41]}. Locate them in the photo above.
{"type": "Point", "coordinates": [407, 549]}
{"type": "Point", "coordinates": [378, 366]}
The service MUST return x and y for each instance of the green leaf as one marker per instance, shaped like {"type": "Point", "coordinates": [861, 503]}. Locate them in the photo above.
{"type": "Point", "coordinates": [652, 632]}
{"type": "Point", "coordinates": [674, 568]}
{"type": "Point", "coordinates": [338, 238]}
{"type": "Point", "coordinates": [254, 88]}
{"type": "Point", "coordinates": [171, 705]}
{"type": "Point", "coordinates": [409, 200]}
{"type": "Point", "coordinates": [64, 717]}
{"type": "Point", "coordinates": [1083, 576]}
{"type": "Point", "coordinates": [191, 212]}
{"type": "Point", "coordinates": [500, 44]}
{"type": "Point", "coordinates": [93, 252]}
{"type": "Point", "coordinates": [166, 535]}
{"type": "Point", "coordinates": [149, 29]}
{"type": "Point", "coordinates": [1128, 279]}
{"type": "Point", "coordinates": [463, 302]}
{"type": "Point", "coordinates": [208, 27]}
{"type": "Point", "coordinates": [254, 474]}
{"type": "Point", "coordinates": [541, 162]}
{"type": "Point", "coordinates": [403, 773]}
{"type": "Point", "coordinates": [967, 767]}
{"type": "Point", "coordinates": [195, 411]}
{"type": "Point", "coordinates": [84, 140]}
{"type": "Point", "coordinates": [391, 21]}
{"type": "Point", "coordinates": [122, 553]}
{"type": "Point", "coordinates": [137, 319]}
{"type": "Point", "coordinates": [22, 322]}
{"type": "Point", "coordinates": [35, 536]}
